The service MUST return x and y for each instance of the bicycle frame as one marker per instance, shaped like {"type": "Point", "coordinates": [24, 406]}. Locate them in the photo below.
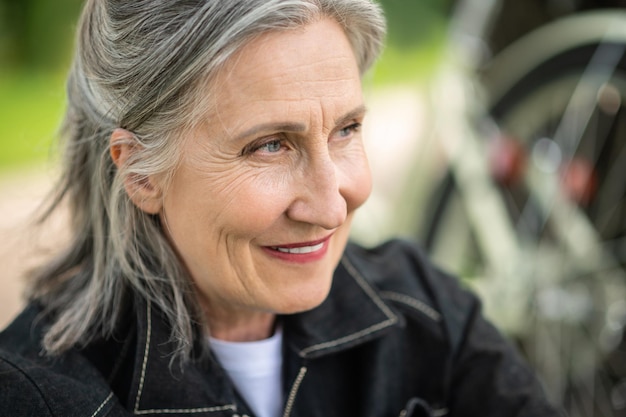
{"type": "Point", "coordinates": [566, 275]}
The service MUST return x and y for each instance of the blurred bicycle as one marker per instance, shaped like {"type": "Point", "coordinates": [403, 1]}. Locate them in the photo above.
{"type": "Point", "coordinates": [531, 209]}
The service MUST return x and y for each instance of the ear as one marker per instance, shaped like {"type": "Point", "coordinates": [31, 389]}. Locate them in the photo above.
{"type": "Point", "coordinates": [143, 191]}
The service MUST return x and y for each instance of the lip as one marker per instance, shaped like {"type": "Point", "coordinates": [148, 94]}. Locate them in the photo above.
{"type": "Point", "coordinates": [301, 252]}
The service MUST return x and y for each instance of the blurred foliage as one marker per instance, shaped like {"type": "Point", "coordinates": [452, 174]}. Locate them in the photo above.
{"type": "Point", "coordinates": [414, 23]}
{"type": "Point", "coordinates": [31, 106]}
{"type": "Point", "coordinates": [35, 34]}
{"type": "Point", "coordinates": [415, 38]}
{"type": "Point", "coordinates": [35, 47]}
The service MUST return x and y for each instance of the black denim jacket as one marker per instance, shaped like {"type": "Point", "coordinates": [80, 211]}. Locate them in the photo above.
{"type": "Point", "coordinates": [395, 338]}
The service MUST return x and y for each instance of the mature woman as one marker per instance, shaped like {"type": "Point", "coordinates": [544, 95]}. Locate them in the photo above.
{"type": "Point", "coordinates": [213, 163]}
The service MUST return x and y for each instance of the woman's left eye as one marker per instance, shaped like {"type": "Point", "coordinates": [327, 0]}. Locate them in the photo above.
{"type": "Point", "coordinates": [349, 130]}
{"type": "Point", "coordinates": [271, 147]}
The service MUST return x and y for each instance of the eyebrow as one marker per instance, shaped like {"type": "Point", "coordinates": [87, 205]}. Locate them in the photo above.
{"type": "Point", "coordinates": [353, 114]}
{"type": "Point", "coordinates": [297, 127]}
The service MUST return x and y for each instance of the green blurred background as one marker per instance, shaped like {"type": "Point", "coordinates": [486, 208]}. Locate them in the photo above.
{"type": "Point", "coordinates": [35, 50]}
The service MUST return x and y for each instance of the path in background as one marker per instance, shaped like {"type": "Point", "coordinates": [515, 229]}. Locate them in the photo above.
{"type": "Point", "coordinates": [22, 246]}
{"type": "Point", "coordinates": [395, 122]}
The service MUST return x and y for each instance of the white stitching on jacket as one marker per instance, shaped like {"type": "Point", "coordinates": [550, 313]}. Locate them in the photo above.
{"type": "Point", "coordinates": [412, 302]}
{"type": "Point", "coordinates": [368, 290]}
{"type": "Point", "coordinates": [106, 400]}
{"type": "Point", "coordinates": [137, 411]}
{"type": "Point", "coordinates": [145, 356]}
{"type": "Point", "coordinates": [187, 411]}
{"type": "Point", "coordinates": [294, 391]}
{"type": "Point", "coordinates": [348, 338]}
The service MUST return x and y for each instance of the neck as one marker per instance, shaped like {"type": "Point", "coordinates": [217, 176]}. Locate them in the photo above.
{"type": "Point", "coordinates": [234, 327]}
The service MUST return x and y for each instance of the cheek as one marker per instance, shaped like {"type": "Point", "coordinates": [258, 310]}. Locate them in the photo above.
{"type": "Point", "coordinates": [234, 205]}
{"type": "Point", "coordinates": [251, 201]}
{"type": "Point", "coordinates": [255, 207]}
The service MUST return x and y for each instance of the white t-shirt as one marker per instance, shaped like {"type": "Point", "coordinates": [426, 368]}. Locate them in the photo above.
{"type": "Point", "coordinates": [256, 370]}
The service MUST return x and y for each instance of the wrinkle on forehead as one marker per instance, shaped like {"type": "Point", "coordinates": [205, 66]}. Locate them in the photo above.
{"type": "Point", "coordinates": [290, 52]}
{"type": "Point", "coordinates": [285, 78]}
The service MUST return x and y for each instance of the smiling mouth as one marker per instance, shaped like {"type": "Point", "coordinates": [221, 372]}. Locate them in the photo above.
{"type": "Point", "coordinates": [300, 250]}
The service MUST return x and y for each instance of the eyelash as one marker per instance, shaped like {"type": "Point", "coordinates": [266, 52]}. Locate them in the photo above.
{"type": "Point", "coordinates": [254, 147]}
{"type": "Point", "coordinates": [353, 128]}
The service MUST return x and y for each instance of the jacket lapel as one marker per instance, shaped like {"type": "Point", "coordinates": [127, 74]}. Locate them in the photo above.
{"type": "Point", "coordinates": [352, 314]}
{"type": "Point", "coordinates": [162, 386]}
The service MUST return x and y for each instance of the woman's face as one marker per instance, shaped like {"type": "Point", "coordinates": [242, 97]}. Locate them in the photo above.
{"type": "Point", "coordinates": [260, 207]}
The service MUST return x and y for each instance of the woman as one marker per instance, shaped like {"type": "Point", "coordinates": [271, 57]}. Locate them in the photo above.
{"type": "Point", "coordinates": [213, 163]}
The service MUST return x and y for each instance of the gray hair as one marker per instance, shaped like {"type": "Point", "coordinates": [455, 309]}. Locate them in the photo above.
{"type": "Point", "coordinates": [138, 65]}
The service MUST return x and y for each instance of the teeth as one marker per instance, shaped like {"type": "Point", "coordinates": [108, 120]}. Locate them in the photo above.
{"type": "Point", "coordinates": [303, 249]}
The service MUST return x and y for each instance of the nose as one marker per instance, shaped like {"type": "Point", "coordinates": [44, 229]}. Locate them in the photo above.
{"type": "Point", "coordinates": [318, 197]}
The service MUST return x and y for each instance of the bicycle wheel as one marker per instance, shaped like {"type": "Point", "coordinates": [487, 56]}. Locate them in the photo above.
{"type": "Point", "coordinates": [560, 171]}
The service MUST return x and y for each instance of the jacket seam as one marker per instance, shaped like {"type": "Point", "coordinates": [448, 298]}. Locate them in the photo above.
{"type": "Point", "coordinates": [367, 288]}
{"type": "Point", "coordinates": [294, 391]}
{"type": "Point", "coordinates": [414, 303]}
{"type": "Point", "coordinates": [118, 363]}
{"type": "Point", "coordinates": [346, 339]}
{"type": "Point", "coordinates": [106, 400]}
{"type": "Point", "coordinates": [29, 379]}
{"type": "Point", "coordinates": [145, 355]}
{"type": "Point", "coordinates": [144, 367]}
{"type": "Point", "coordinates": [186, 410]}
{"type": "Point", "coordinates": [391, 317]}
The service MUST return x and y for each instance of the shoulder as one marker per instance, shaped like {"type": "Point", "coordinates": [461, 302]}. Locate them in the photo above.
{"type": "Point", "coordinates": [403, 266]}
{"type": "Point", "coordinates": [19, 394]}
{"type": "Point", "coordinates": [32, 383]}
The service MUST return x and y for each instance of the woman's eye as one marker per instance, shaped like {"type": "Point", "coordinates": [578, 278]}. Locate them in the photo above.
{"type": "Point", "coordinates": [349, 130]}
{"type": "Point", "coordinates": [267, 146]}
{"type": "Point", "coordinates": [273, 146]}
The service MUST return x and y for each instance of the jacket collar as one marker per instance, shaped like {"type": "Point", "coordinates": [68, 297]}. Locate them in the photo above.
{"type": "Point", "coordinates": [352, 314]}
{"type": "Point", "coordinates": [162, 386]}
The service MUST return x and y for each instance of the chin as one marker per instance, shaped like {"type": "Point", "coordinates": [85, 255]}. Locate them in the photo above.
{"type": "Point", "coordinates": [304, 299]}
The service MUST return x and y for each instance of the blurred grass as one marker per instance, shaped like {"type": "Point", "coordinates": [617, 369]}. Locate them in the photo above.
{"type": "Point", "coordinates": [31, 107]}
{"type": "Point", "coordinates": [32, 101]}
{"type": "Point", "coordinates": [409, 66]}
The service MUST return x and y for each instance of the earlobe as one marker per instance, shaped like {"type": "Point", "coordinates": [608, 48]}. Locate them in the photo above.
{"type": "Point", "coordinates": [142, 190]}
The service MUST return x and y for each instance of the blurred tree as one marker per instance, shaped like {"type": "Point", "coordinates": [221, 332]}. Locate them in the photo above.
{"type": "Point", "coordinates": [36, 34]}
{"type": "Point", "coordinates": [33, 32]}
{"type": "Point", "coordinates": [413, 22]}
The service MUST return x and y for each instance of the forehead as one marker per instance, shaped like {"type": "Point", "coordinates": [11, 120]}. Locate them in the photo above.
{"type": "Point", "coordinates": [294, 68]}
